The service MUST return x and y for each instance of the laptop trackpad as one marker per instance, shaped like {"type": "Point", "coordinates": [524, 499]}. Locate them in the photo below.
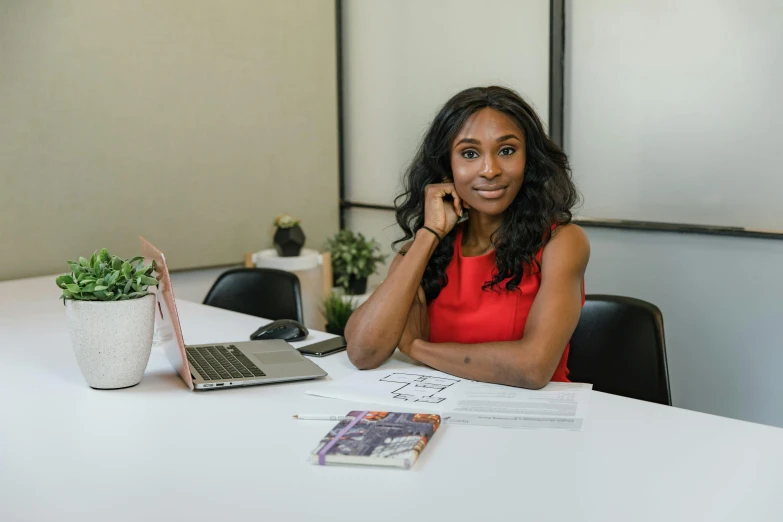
{"type": "Point", "coordinates": [279, 357]}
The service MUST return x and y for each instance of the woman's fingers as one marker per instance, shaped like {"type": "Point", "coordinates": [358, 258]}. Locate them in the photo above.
{"type": "Point", "coordinates": [449, 188]}
{"type": "Point", "coordinates": [439, 214]}
{"type": "Point", "coordinates": [457, 203]}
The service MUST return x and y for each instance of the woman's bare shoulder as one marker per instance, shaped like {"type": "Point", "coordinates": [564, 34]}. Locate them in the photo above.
{"type": "Point", "coordinates": [569, 243]}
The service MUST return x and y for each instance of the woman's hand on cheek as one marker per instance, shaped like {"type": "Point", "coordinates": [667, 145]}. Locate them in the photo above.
{"type": "Point", "coordinates": [441, 215]}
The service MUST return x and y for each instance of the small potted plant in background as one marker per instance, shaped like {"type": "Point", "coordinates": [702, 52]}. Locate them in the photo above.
{"type": "Point", "coordinates": [289, 237]}
{"type": "Point", "coordinates": [111, 317]}
{"type": "Point", "coordinates": [354, 259]}
{"type": "Point", "coordinates": [336, 312]}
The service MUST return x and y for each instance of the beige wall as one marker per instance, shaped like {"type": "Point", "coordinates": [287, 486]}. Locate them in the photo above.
{"type": "Point", "coordinates": [191, 122]}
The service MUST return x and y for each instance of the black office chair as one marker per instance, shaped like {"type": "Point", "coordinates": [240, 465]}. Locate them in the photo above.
{"type": "Point", "coordinates": [263, 292]}
{"type": "Point", "coordinates": [619, 347]}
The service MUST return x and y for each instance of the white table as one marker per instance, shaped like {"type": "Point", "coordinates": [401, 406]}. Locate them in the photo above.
{"type": "Point", "coordinates": [161, 452]}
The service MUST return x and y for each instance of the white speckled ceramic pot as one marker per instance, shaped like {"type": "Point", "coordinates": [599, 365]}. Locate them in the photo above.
{"type": "Point", "coordinates": [112, 339]}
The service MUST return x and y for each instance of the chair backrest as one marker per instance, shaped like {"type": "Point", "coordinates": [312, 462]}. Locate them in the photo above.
{"type": "Point", "coordinates": [619, 347]}
{"type": "Point", "coordinates": [263, 292]}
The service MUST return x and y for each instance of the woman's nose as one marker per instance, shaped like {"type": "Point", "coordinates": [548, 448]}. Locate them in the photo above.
{"type": "Point", "coordinates": [490, 167]}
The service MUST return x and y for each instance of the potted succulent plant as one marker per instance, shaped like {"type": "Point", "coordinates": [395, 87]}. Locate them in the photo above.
{"type": "Point", "coordinates": [336, 312]}
{"type": "Point", "coordinates": [110, 316]}
{"type": "Point", "coordinates": [354, 259]}
{"type": "Point", "coordinates": [289, 237]}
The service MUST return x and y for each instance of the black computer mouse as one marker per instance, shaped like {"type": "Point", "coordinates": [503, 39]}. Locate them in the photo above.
{"type": "Point", "coordinates": [285, 329]}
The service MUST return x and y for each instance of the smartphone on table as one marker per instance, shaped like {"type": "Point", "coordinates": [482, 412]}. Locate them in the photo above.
{"type": "Point", "coordinates": [325, 347]}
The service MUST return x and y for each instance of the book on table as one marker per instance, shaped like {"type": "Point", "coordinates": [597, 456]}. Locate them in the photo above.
{"type": "Point", "coordinates": [377, 438]}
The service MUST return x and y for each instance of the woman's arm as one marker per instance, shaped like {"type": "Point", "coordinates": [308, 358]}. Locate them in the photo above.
{"type": "Point", "coordinates": [377, 326]}
{"type": "Point", "coordinates": [531, 361]}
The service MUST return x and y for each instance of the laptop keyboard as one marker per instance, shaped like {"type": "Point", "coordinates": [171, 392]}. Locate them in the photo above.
{"type": "Point", "coordinates": [215, 363]}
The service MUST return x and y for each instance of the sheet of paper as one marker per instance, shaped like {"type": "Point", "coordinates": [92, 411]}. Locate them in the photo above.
{"type": "Point", "coordinates": [409, 387]}
{"type": "Point", "coordinates": [558, 405]}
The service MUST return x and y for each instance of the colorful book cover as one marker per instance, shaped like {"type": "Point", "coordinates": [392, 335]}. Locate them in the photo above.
{"type": "Point", "coordinates": [377, 438]}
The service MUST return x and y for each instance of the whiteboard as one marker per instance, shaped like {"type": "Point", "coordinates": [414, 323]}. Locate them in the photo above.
{"type": "Point", "coordinates": [673, 111]}
{"type": "Point", "coordinates": [403, 60]}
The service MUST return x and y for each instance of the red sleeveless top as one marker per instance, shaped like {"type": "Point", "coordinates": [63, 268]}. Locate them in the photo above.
{"type": "Point", "coordinates": [464, 313]}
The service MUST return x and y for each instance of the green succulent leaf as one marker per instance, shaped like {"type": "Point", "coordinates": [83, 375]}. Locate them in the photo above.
{"type": "Point", "coordinates": [104, 277]}
{"type": "Point", "coordinates": [147, 280]}
{"type": "Point", "coordinates": [64, 279]}
{"type": "Point", "coordinates": [143, 270]}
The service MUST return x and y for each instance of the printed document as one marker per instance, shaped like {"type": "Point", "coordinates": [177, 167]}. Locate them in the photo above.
{"type": "Point", "coordinates": [559, 405]}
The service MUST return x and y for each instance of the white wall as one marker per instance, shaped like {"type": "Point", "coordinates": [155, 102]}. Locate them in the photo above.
{"type": "Point", "coordinates": [379, 224]}
{"type": "Point", "coordinates": [675, 114]}
{"type": "Point", "coordinates": [403, 59]}
{"type": "Point", "coordinates": [720, 296]}
{"type": "Point", "coordinates": [193, 285]}
{"type": "Point", "coordinates": [722, 309]}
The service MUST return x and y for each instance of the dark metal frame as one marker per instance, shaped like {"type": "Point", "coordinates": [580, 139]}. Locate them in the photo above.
{"type": "Point", "coordinates": [557, 24]}
{"type": "Point", "coordinates": [338, 13]}
{"type": "Point", "coordinates": [556, 70]}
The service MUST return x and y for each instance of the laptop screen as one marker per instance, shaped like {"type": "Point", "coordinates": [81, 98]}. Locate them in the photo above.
{"type": "Point", "coordinates": [167, 320]}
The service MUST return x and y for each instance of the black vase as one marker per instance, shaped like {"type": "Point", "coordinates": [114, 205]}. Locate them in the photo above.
{"type": "Point", "coordinates": [289, 241]}
{"type": "Point", "coordinates": [357, 286]}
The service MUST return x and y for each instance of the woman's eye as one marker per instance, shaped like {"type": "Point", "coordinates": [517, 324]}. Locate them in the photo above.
{"type": "Point", "coordinates": [469, 154]}
{"type": "Point", "coordinates": [506, 151]}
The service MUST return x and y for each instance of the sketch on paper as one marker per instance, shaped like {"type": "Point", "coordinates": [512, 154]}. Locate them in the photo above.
{"type": "Point", "coordinates": [423, 389]}
{"type": "Point", "coordinates": [419, 388]}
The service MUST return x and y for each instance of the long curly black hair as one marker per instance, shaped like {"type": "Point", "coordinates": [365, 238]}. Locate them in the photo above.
{"type": "Point", "coordinates": [545, 199]}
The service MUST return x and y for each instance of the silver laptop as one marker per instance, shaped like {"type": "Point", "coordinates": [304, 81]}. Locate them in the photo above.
{"type": "Point", "coordinates": [222, 365]}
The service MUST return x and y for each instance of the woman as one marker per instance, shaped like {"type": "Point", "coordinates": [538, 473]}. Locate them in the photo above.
{"type": "Point", "coordinates": [489, 283]}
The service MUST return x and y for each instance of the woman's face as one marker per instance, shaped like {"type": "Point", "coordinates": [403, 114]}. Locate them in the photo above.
{"type": "Point", "coordinates": [488, 161]}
